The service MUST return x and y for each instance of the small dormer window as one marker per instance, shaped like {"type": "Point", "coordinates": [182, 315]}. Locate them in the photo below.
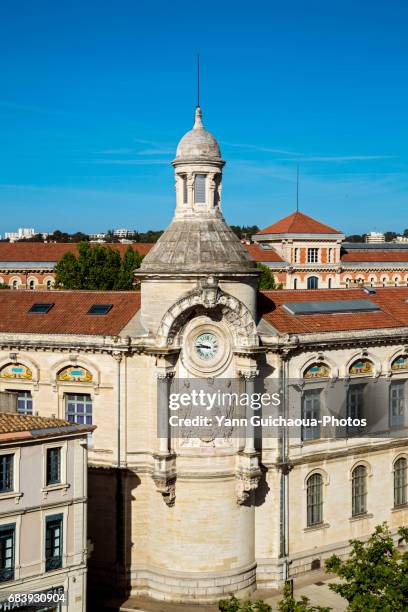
{"type": "Point", "coordinates": [199, 189]}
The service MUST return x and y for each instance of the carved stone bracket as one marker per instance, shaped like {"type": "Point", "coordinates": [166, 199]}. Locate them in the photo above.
{"type": "Point", "coordinates": [165, 476]}
{"type": "Point", "coordinates": [248, 475]}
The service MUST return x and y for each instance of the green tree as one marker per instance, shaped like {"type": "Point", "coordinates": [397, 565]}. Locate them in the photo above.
{"type": "Point", "coordinates": [375, 575]}
{"type": "Point", "coordinates": [67, 272]}
{"type": "Point", "coordinates": [289, 603]}
{"type": "Point", "coordinates": [266, 279]}
{"type": "Point", "coordinates": [97, 267]}
{"type": "Point", "coordinates": [131, 260]}
{"type": "Point", "coordinates": [235, 605]}
{"type": "Point", "coordinates": [4, 286]}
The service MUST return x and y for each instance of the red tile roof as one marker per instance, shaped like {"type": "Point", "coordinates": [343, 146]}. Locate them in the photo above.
{"type": "Point", "coordinates": [392, 301]}
{"type": "Point", "coordinates": [374, 256]}
{"type": "Point", "coordinates": [69, 313]}
{"type": "Point", "coordinates": [298, 223]}
{"type": "Point", "coordinates": [22, 427]}
{"type": "Point", "coordinates": [40, 251]}
{"type": "Point", "coordinates": [257, 253]}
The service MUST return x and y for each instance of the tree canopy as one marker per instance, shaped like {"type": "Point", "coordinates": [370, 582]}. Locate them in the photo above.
{"type": "Point", "coordinates": [375, 574]}
{"type": "Point", "coordinates": [97, 267]}
{"type": "Point", "coordinates": [267, 279]}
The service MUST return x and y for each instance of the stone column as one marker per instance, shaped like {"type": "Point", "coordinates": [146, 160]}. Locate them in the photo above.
{"type": "Point", "coordinates": [249, 377]}
{"type": "Point", "coordinates": [163, 384]}
{"type": "Point", "coordinates": [248, 472]}
{"type": "Point", "coordinates": [164, 469]}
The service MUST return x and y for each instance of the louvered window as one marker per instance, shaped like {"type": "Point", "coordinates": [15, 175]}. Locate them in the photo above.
{"type": "Point", "coordinates": [199, 188]}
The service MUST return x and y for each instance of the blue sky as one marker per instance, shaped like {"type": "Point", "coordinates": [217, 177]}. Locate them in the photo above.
{"type": "Point", "coordinates": [95, 95]}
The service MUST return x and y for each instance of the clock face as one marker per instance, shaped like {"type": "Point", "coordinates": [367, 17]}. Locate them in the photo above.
{"type": "Point", "coordinates": [206, 346]}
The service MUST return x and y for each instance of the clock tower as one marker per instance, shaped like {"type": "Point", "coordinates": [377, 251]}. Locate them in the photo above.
{"type": "Point", "coordinates": [198, 310]}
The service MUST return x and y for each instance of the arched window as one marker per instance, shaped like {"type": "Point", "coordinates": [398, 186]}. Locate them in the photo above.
{"type": "Point", "coordinates": [314, 500]}
{"type": "Point", "coordinates": [329, 283]}
{"type": "Point", "coordinates": [384, 281]}
{"type": "Point", "coordinates": [16, 371]}
{"type": "Point", "coordinates": [348, 282]}
{"type": "Point", "coordinates": [199, 188]}
{"type": "Point", "coordinates": [14, 284]}
{"type": "Point", "coordinates": [396, 281]}
{"type": "Point", "coordinates": [359, 490]}
{"type": "Point", "coordinates": [31, 284]}
{"type": "Point", "coordinates": [400, 482]}
{"type": "Point", "coordinates": [312, 282]}
{"type": "Point", "coordinates": [372, 281]}
{"type": "Point", "coordinates": [295, 283]}
{"type": "Point", "coordinates": [361, 367]}
{"type": "Point", "coordinates": [75, 374]}
{"type": "Point", "coordinates": [400, 363]}
{"type": "Point", "coordinates": [49, 284]}
{"type": "Point", "coordinates": [317, 370]}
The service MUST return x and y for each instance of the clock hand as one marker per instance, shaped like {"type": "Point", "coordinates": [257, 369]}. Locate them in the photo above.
{"type": "Point", "coordinates": [207, 346]}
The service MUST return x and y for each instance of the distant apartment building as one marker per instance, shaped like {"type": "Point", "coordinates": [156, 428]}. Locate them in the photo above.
{"type": "Point", "coordinates": [123, 233]}
{"type": "Point", "coordinates": [375, 237]}
{"type": "Point", "coordinates": [43, 500]}
{"type": "Point", "coordinates": [22, 232]}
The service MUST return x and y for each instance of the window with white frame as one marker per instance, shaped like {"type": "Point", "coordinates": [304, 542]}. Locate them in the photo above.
{"type": "Point", "coordinates": [78, 408]}
{"type": "Point", "coordinates": [313, 282]}
{"type": "Point", "coordinates": [359, 490]}
{"type": "Point", "coordinates": [314, 487]}
{"type": "Point", "coordinates": [53, 466]}
{"type": "Point", "coordinates": [53, 542]}
{"type": "Point", "coordinates": [24, 400]}
{"type": "Point", "coordinates": [397, 403]}
{"type": "Point", "coordinates": [311, 410]}
{"type": "Point", "coordinates": [296, 255]}
{"type": "Point", "coordinates": [7, 473]}
{"type": "Point", "coordinates": [400, 482]}
{"type": "Point", "coordinates": [7, 551]}
{"type": "Point", "coordinates": [312, 255]}
{"type": "Point", "coordinates": [330, 256]}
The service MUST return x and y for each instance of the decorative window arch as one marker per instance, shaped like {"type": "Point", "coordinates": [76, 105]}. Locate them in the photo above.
{"type": "Point", "coordinates": [361, 367]}
{"type": "Point", "coordinates": [74, 373]}
{"type": "Point", "coordinates": [32, 283]}
{"type": "Point", "coordinates": [400, 481]}
{"type": "Point", "coordinates": [15, 282]}
{"type": "Point", "coordinates": [318, 369]}
{"type": "Point", "coordinates": [384, 280]}
{"type": "Point", "coordinates": [295, 283]}
{"type": "Point", "coordinates": [400, 363]}
{"type": "Point", "coordinates": [348, 281]}
{"type": "Point", "coordinates": [16, 371]}
{"type": "Point", "coordinates": [359, 490]}
{"type": "Point", "coordinates": [49, 282]}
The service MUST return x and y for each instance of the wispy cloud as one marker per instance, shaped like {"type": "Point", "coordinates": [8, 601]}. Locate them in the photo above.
{"type": "Point", "coordinates": [156, 152]}
{"type": "Point", "coordinates": [335, 158]}
{"type": "Point", "coordinates": [261, 149]}
{"type": "Point", "coordinates": [130, 162]}
{"type": "Point", "coordinates": [35, 109]}
{"type": "Point", "coordinates": [120, 151]}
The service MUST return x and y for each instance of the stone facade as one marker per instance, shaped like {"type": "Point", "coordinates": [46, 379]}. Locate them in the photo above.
{"type": "Point", "coordinates": [191, 519]}
{"type": "Point", "coordinates": [32, 502]}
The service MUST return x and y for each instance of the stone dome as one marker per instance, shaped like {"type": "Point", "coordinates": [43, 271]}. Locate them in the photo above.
{"type": "Point", "coordinates": [198, 143]}
{"type": "Point", "coordinates": [206, 245]}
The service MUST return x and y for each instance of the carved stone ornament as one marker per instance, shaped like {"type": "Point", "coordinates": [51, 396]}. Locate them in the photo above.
{"type": "Point", "coordinates": [165, 476]}
{"type": "Point", "coordinates": [208, 296]}
{"type": "Point", "coordinates": [248, 475]}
